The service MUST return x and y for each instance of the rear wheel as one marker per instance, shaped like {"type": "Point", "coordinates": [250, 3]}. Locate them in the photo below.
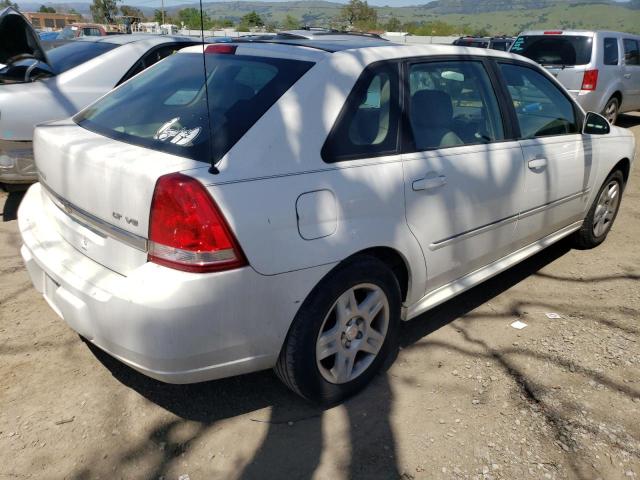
{"type": "Point", "coordinates": [612, 110]}
{"type": "Point", "coordinates": [344, 333]}
{"type": "Point", "coordinates": [602, 214]}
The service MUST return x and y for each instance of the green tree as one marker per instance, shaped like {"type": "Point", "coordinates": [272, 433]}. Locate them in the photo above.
{"type": "Point", "coordinates": [192, 20]}
{"type": "Point", "coordinates": [160, 18]}
{"type": "Point", "coordinates": [290, 23]}
{"type": "Point", "coordinates": [44, 9]}
{"type": "Point", "coordinates": [129, 11]}
{"type": "Point", "coordinates": [357, 14]}
{"type": "Point", "coordinates": [104, 11]}
{"type": "Point", "coordinates": [8, 3]}
{"type": "Point", "coordinates": [393, 25]}
{"type": "Point", "coordinates": [250, 20]}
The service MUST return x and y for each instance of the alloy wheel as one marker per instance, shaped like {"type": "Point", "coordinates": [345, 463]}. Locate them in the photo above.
{"type": "Point", "coordinates": [606, 208]}
{"type": "Point", "coordinates": [352, 333]}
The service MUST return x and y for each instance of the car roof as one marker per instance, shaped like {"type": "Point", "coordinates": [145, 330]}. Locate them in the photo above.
{"type": "Point", "coordinates": [373, 50]}
{"type": "Point", "coordinates": [580, 33]}
{"type": "Point", "coordinates": [124, 38]}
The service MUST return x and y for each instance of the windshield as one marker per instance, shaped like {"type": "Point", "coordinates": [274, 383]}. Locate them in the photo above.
{"type": "Point", "coordinates": [67, 33]}
{"type": "Point", "coordinates": [565, 50]}
{"type": "Point", "coordinates": [72, 54]}
{"type": "Point", "coordinates": [165, 106]}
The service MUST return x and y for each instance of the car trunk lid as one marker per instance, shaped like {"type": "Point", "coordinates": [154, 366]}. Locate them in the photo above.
{"type": "Point", "coordinates": [98, 191]}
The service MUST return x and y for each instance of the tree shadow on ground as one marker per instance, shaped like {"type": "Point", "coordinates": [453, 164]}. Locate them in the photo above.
{"type": "Point", "coordinates": [11, 204]}
{"type": "Point", "coordinates": [294, 443]}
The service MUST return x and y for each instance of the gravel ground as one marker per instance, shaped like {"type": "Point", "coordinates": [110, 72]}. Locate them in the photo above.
{"type": "Point", "coordinates": [468, 397]}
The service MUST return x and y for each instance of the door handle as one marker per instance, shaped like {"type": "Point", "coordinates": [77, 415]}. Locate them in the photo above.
{"type": "Point", "coordinates": [537, 163]}
{"type": "Point", "coordinates": [429, 183]}
{"type": "Point", "coordinates": [627, 75]}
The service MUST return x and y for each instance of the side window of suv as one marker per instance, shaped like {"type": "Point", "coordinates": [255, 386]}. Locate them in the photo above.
{"type": "Point", "coordinates": [631, 52]}
{"type": "Point", "coordinates": [369, 121]}
{"type": "Point", "coordinates": [452, 103]}
{"type": "Point", "coordinates": [541, 107]}
{"type": "Point", "coordinates": [611, 51]}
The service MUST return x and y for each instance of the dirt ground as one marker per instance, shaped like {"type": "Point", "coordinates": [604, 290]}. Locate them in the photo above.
{"type": "Point", "coordinates": [468, 397]}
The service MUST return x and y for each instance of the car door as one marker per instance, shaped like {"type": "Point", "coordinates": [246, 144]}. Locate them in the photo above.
{"type": "Point", "coordinates": [631, 73]}
{"type": "Point", "coordinates": [463, 174]}
{"type": "Point", "coordinates": [557, 158]}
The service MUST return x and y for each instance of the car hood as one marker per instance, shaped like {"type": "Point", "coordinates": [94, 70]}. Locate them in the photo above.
{"type": "Point", "coordinates": [17, 37]}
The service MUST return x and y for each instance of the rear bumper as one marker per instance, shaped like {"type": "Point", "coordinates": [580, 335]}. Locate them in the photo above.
{"type": "Point", "coordinates": [174, 326]}
{"type": "Point", "coordinates": [17, 166]}
{"type": "Point", "coordinates": [588, 100]}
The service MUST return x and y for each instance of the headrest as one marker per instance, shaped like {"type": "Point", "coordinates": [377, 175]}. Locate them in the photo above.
{"type": "Point", "coordinates": [431, 108]}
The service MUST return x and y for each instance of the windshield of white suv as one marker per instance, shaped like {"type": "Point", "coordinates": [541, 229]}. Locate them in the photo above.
{"type": "Point", "coordinates": [165, 106]}
{"type": "Point", "coordinates": [72, 54]}
{"type": "Point", "coordinates": [560, 50]}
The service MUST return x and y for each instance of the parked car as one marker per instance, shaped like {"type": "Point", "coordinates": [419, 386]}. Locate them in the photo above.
{"type": "Point", "coordinates": [600, 69]}
{"type": "Point", "coordinates": [495, 43]}
{"type": "Point", "coordinates": [38, 86]}
{"type": "Point", "coordinates": [290, 211]}
{"type": "Point", "coordinates": [77, 30]}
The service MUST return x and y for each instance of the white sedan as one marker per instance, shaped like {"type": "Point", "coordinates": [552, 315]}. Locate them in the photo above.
{"type": "Point", "coordinates": [36, 87]}
{"type": "Point", "coordinates": [313, 193]}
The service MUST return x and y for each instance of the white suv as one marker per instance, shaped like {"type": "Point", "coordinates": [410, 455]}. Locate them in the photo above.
{"type": "Point", "coordinates": [293, 209]}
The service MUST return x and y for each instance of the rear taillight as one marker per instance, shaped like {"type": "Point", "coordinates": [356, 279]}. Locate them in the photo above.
{"type": "Point", "coordinates": [590, 80]}
{"type": "Point", "coordinates": [187, 230]}
{"type": "Point", "coordinates": [221, 49]}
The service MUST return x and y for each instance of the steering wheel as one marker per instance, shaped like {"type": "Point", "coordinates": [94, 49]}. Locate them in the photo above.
{"type": "Point", "coordinates": [20, 56]}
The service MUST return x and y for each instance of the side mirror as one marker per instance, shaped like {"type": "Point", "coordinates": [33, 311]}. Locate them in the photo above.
{"type": "Point", "coordinates": [595, 124]}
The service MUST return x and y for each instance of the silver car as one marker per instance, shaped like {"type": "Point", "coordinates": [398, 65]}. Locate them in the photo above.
{"type": "Point", "coordinates": [600, 69]}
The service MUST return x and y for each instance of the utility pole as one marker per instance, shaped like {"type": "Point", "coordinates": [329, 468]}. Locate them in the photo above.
{"type": "Point", "coordinates": [162, 12]}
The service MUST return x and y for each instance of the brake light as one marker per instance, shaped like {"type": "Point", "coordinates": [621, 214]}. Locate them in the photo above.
{"type": "Point", "coordinates": [187, 230]}
{"type": "Point", "coordinates": [553, 32]}
{"type": "Point", "coordinates": [221, 49]}
{"type": "Point", "coordinates": [590, 80]}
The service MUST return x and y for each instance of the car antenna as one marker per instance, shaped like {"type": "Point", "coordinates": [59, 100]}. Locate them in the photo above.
{"type": "Point", "coordinates": [212, 168]}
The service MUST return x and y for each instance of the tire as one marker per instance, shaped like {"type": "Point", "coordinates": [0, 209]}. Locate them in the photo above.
{"type": "Point", "coordinates": [612, 110]}
{"type": "Point", "coordinates": [321, 326]}
{"type": "Point", "coordinates": [597, 224]}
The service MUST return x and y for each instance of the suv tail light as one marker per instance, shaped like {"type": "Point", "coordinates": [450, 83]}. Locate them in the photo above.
{"type": "Point", "coordinates": [590, 80]}
{"type": "Point", "coordinates": [187, 230]}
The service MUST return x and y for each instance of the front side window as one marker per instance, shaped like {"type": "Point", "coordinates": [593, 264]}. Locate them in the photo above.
{"type": "Point", "coordinates": [452, 104]}
{"type": "Point", "coordinates": [555, 50]}
{"type": "Point", "coordinates": [165, 107]}
{"type": "Point", "coordinates": [541, 107]}
{"type": "Point", "coordinates": [611, 51]}
{"type": "Point", "coordinates": [368, 124]}
{"type": "Point", "coordinates": [631, 52]}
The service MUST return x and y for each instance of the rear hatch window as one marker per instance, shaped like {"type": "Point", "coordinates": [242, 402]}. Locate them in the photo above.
{"type": "Point", "coordinates": [555, 50]}
{"type": "Point", "coordinates": [170, 108]}
{"type": "Point", "coordinates": [71, 55]}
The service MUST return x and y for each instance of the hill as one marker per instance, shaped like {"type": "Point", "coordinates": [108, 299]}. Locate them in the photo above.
{"type": "Point", "coordinates": [492, 16]}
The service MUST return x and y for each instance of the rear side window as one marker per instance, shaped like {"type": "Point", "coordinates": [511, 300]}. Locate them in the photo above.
{"type": "Point", "coordinates": [452, 104]}
{"type": "Point", "coordinates": [165, 106]}
{"type": "Point", "coordinates": [631, 52]}
{"type": "Point", "coordinates": [611, 51]}
{"type": "Point", "coordinates": [567, 50]}
{"type": "Point", "coordinates": [542, 109]}
{"type": "Point", "coordinates": [72, 54]}
{"type": "Point", "coordinates": [368, 123]}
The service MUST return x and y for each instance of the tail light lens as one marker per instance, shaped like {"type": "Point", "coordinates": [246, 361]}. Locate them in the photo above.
{"type": "Point", "coordinates": [187, 230]}
{"type": "Point", "coordinates": [590, 80]}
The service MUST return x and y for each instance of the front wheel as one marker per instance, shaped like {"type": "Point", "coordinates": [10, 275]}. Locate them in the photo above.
{"type": "Point", "coordinates": [344, 332]}
{"type": "Point", "coordinates": [602, 214]}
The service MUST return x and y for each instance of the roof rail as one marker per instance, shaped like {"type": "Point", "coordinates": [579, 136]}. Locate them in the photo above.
{"type": "Point", "coordinates": [333, 31]}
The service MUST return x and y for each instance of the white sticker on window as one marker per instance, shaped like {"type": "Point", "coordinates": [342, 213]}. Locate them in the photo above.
{"type": "Point", "coordinates": [177, 135]}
